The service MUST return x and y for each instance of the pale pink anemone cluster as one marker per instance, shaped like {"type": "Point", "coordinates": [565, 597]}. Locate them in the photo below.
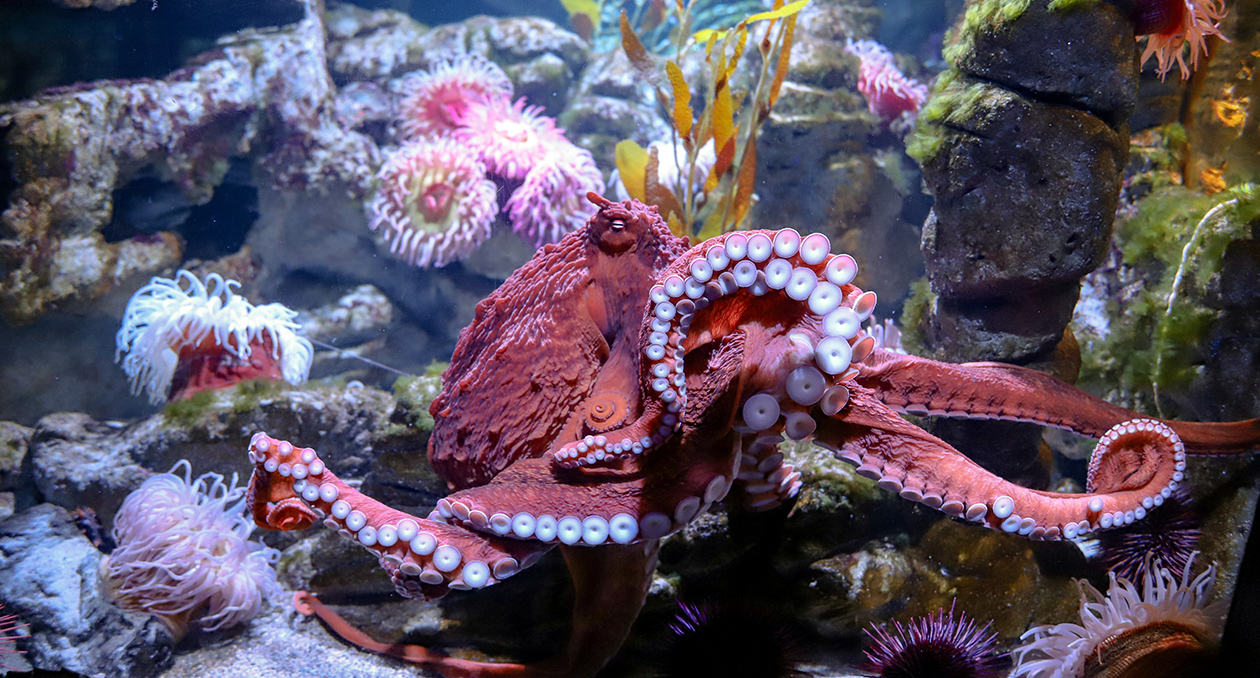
{"type": "Point", "coordinates": [891, 95]}
{"type": "Point", "coordinates": [461, 131]}
{"type": "Point", "coordinates": [438, 100]}
{"type": "Point", "coordinates": [183, 553]}
{"type": "Point", "coordinates": [1196, 21]}
{"type": "Point", "coordinates": [1061, 651]}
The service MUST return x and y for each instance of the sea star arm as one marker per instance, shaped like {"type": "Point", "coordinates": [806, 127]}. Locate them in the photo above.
{"type": "Point", "coordinates": [999, 391]}
{"type": "Point", "coordinates": [918, 466]}
{"type": "Point", "coordinates": [291, 489]}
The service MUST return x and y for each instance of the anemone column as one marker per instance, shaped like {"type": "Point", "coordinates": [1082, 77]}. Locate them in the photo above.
{"type": "Point", "coordinates": [1023, 145]}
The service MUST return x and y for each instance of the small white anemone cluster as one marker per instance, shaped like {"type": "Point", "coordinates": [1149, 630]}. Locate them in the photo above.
{"type": "Point", "coordinates": [1061, 650]}
{"type": "Point", "coordinates": [183, 545]}
{"type": "Point", "coordinates": [166, 316]}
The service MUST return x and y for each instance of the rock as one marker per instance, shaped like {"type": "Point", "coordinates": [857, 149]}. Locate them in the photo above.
{"type": "Point", "coordinates": [276, 642]}
{"type": "Point", "coordinates": [543, 81]}
{"type": "Point", "coordinates": [305, 241]}
{"type": "Point", "coordinates": [852, 590]}
{"type": "Point", "coordinates": [48, 577]}
{"type": "Point", "coordinates": [600, 123]}
{"type": "Point", "coordinates": [15, 441]}
{"type": "Point", "coordinates": [1025, 195]}
{"type": "Point", "coordinates": [819, 58]}
{"type": "Point", "coordinates": [1013, 329]}
{"type": "Point", "coordinates": [1081, 58]}
{"type": "Point", "coordinates": [71, 148]}
{"type": "Point", "coordinates": [1023, 144]}
{"type": "Point", "coordinates": [1038, 142]}
{"type": "Point", "coordinates": [368, 44]}
{"type": "Point", "coordinates": [610, 103]}
{"type": "Point", "coordinates": [77, 461]}
{"type": "Point", "coordinates": [1227, 386]}
{"type": "Point", "coordinates": [354, 318]}
{"type": "Point", "coordinates": [541, 58]}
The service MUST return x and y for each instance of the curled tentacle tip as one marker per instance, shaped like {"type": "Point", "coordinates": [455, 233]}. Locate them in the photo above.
{"type": "Point", "coordinates": [302, 602]}
{"type": "Point", "coordinates": [290, 514]}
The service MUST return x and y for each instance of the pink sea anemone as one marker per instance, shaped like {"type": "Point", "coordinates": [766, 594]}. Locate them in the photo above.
{"type": "Point", "coordinates": [511, 137]}
{"type": "Point", "coordinates": [435, 204]}
{"type": "Point", "coordinates": [188, 336]}
{"type": "Point", "coordinates": [552, 199]}
{"type": "Point", "coordinates": [889, 94]}
{"type": "Point", "coordinates": [1162, 630]}
{"type": "Point", "coordinates": [518, 143]}
{"type": "Point", "coordinates": [1172, 24]}
{"type": "Point", "coordinates": [438, 100]}
{"type": "Point", "coordinates": [183, 553]}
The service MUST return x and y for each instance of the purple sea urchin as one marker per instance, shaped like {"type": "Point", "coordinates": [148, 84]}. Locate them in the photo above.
{"type": "Point", "coordinates": [182, 549]}
{"type": "Point", "coordinates": [1165, 630]}
{"type": "Point", "coordinates": [10, 631]}
{"type": "Point", "coordinates": [1166, 538]}
{"type": "Point", "coordinates": [939, 645]}
{"type": "Point", "coordinates": [732, 641]}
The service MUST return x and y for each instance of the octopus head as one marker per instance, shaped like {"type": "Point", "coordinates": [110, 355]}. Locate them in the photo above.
{"type": "Point", "coordinates": [617, 226]}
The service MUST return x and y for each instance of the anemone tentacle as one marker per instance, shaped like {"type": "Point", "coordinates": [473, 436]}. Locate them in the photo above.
{"type": "Point", "coordinates": [168, 319]}
{"type": "Point", "coordinates": [183, 545]}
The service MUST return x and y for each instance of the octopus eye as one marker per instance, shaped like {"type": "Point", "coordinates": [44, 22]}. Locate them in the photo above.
{"type": "Point", "coordinates": [618, 224]}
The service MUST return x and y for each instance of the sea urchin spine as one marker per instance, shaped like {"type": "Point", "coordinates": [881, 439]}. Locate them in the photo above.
{"type": "Point", "coordinates": [939, 645]}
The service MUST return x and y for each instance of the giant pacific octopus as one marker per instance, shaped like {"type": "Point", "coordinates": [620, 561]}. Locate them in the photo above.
{"type": "Point", "coordinates": [621, 382]}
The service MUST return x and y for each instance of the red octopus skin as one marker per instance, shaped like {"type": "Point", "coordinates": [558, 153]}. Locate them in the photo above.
{"type": "Point", "coordinates": [537, 344]}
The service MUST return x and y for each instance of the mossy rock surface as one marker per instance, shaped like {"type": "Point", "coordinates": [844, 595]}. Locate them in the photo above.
{"type": "Point", "coordinates": [1074, 52]}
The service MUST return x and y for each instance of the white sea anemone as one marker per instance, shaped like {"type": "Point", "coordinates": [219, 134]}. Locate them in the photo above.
{"type": "Point", "coordinates": [1061, 650]}
{"type": "Point", "coordinates": [182, 549]}
{"type": "Point", "coordinates": [169, 319]}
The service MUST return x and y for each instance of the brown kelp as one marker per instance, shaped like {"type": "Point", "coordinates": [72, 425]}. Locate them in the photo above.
{"type": "Point", "coordinates": [730, 118]}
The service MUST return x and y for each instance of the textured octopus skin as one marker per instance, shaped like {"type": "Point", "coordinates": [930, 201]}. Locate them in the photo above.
{"type": "Point", "coordinates": [619, 383]}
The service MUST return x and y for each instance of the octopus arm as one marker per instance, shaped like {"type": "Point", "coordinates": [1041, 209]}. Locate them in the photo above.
{"type": "Point", "coordinates": [918, 466]}
{"type": "Point", "coordinates": [451, 667]}
{"type": "Point", "coordinates": [291, 488]}
{"type": "Point", "coordinates": [535, 500]}
{"type": "Point", "coordinates": [1000, 391]}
